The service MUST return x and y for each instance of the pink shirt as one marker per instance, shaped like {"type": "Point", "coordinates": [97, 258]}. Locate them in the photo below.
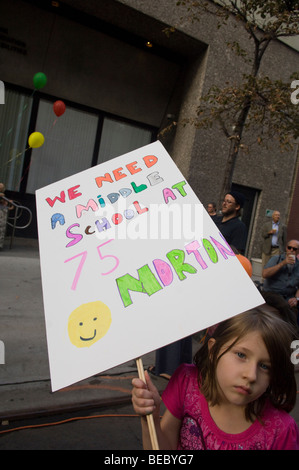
{"type": "Point", "coordinates": [184, 400]}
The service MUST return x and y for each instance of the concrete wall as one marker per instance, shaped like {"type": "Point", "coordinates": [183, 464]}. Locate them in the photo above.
{"type": "Point", "coordinates": [266, 169]}
{"type": "Point", "coordinates": [90, 67]}
{"type": "Point", "coordinates": [84, 65]}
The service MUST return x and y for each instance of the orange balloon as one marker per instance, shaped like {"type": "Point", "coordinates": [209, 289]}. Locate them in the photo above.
{"type": "Point", "coordinates": [246, 264]}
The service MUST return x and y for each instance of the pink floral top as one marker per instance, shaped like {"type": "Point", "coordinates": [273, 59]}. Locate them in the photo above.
{"type": "Point", "coordinates": [184, 400]}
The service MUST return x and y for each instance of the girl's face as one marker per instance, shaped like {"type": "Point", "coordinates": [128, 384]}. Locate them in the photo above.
{"type": "Point", "coordinates": [243, 372]}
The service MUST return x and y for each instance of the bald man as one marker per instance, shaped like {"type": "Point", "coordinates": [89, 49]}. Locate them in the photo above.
{"type": "Point", "coordinates": [281, 282]}
{"type": "Point", "coordinates": [274, 238]}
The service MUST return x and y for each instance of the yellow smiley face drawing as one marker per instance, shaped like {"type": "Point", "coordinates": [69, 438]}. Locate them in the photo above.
{"type": "Point", "coordinates": [89, 323]}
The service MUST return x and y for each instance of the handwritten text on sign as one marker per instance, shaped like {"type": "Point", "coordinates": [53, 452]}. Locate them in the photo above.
{"type": "Point", "coordinates": [124, 246]}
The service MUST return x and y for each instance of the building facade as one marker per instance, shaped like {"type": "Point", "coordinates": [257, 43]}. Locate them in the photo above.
{"type": "Point", "coordinates": [124, 83]}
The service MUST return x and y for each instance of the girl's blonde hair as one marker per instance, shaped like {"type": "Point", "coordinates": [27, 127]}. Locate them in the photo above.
{"type": "Point", "coordinates": [277, 336]}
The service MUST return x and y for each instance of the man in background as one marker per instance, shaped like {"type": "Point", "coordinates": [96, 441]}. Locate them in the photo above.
{"type": "Point", "coordinates": [274, 238]}
{"type": "Point", "coordinates": [212, 210]}
{"type": "Point", "coordinates": [229, 224]}
{"type": "Point", "coordinates": [281, 282]}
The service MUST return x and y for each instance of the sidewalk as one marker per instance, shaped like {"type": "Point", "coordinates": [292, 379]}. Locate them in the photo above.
{"type": "Point", "coordinates": [25, 385]}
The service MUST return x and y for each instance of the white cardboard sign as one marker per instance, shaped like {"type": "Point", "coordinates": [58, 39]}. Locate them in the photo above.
{"type": "Point", "coordinates": [130, 262]}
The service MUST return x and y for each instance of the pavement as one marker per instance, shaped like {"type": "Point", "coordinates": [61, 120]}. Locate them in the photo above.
{"type": "Point", "coordinates": [25, 386]}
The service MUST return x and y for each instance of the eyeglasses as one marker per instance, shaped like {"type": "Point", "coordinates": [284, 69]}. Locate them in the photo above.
{"type": "Point", "coordinates": [227, 201]}
{"type": "Point", "coordinates": [292, 248]}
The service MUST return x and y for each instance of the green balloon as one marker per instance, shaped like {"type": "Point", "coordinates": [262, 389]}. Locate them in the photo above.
{"type": "Point", "coordinates": [39, 80]}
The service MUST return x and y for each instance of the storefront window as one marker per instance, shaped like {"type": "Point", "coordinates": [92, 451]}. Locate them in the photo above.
{"type": "Point", "coordinates": [119, 137]}
{"type": "Point", "coordinates": [14, 119]}
{"type": "Point", "coordinates": [71, 141]}
{"type": "Point", "coordinates": [68, 147]}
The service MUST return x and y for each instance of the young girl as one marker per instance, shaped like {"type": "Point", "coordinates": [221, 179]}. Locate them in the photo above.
{"type": "Point", "coordinates": [237, 395]}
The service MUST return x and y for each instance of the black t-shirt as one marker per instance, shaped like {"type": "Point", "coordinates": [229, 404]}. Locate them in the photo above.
{"type": "Point", "coordinates": [234, 232]}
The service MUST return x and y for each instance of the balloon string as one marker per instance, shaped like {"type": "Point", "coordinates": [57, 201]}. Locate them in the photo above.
{"type": "Point", "coordinates": [20, 153]}
{"type": "Point", "coordinates": [10, 131]}
{"type": "Point", "coordinates": [24, 174]}
{"type": "Point", "coordinates": [13, 158]}
{"type": "Point", "coordinates": [16, 156]}
{"type": "Point", "coordinates": [26, 105]}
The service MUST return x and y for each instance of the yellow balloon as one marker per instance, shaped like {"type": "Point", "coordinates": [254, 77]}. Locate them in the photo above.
{"type": "Point", "coordinates": [36, 139]}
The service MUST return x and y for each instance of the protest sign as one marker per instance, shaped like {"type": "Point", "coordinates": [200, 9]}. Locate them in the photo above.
{"type": "Point", "coordinates": [130, 262]}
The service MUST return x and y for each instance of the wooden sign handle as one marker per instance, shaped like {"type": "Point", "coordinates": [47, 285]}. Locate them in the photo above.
{"type": "Point", "coordinates": [150, 419]}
